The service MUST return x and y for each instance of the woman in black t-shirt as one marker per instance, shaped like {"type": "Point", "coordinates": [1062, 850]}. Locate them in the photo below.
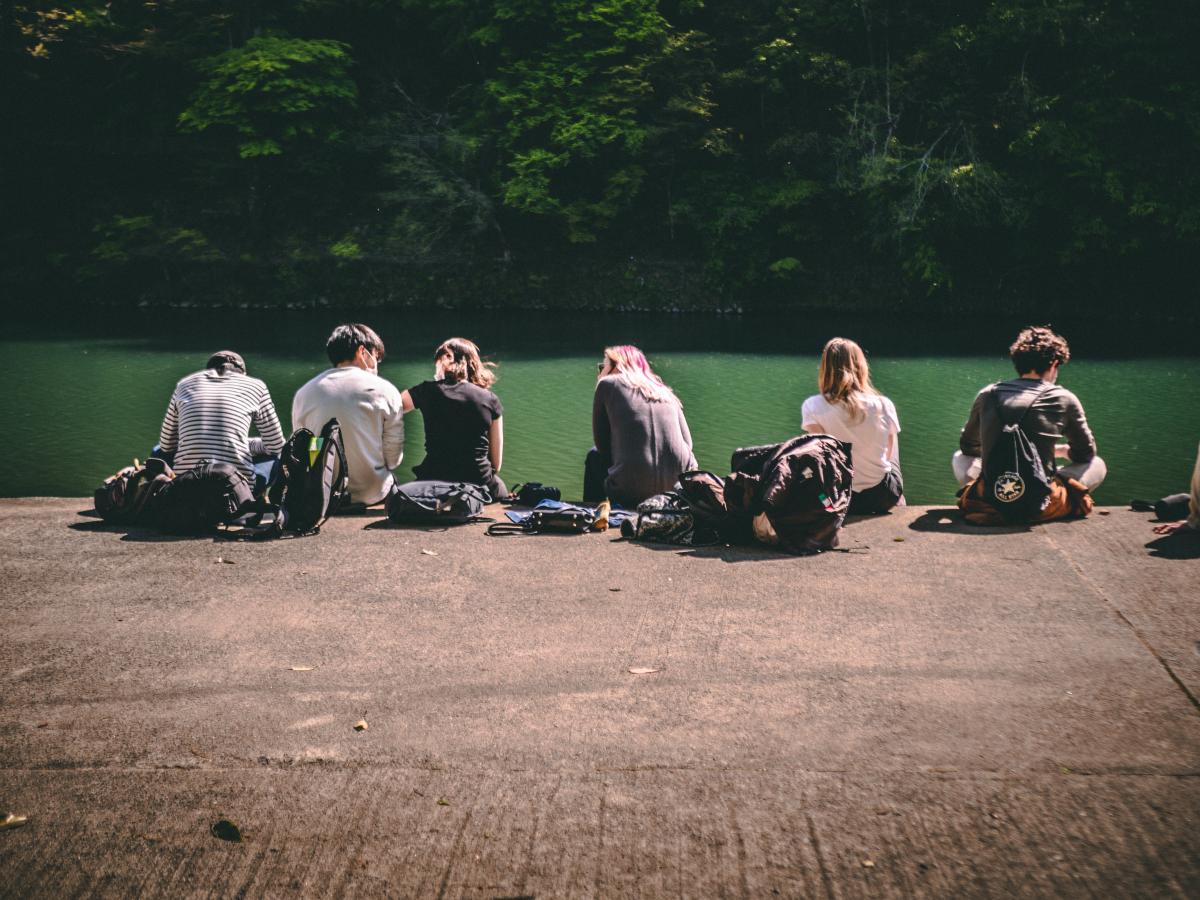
{"type": "Point", "coordinates": [464, 431]}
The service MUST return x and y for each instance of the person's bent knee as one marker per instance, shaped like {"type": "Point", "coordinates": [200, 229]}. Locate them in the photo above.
{"type": "Point", "coordinates": [966, 468]}
{"type": "Point", "coordinates": [1090, 474]}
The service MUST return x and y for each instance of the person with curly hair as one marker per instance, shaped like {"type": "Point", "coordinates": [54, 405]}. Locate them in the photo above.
{"type": "Point", "coordinates": [1053, 413]}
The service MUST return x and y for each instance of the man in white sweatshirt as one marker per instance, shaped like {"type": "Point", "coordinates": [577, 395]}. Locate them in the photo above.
{"type": "Point", "coordinates": [367, 407]}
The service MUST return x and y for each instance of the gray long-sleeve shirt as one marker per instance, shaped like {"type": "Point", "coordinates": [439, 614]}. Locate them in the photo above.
{"type": "Point", "coordinates": [1055, 414]}
{"type": "Point", "coordinates": [647, 443]}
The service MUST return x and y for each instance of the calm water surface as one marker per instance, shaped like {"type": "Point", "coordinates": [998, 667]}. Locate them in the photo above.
{"type": "Point", "coordinates": [88, 397]}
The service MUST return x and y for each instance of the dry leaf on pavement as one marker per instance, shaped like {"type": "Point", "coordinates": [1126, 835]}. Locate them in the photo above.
{"type": "Point", "coordinates": [12, 820]}
{"type": "Point", "coordinates": [226, 831]}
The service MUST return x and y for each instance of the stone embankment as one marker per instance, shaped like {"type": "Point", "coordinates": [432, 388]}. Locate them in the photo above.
{"type": "Point", "coordinates": [943, 711]}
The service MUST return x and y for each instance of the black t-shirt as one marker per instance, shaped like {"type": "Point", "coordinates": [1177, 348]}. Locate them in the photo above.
{"type": "Point", "coordinates": [458, 417]}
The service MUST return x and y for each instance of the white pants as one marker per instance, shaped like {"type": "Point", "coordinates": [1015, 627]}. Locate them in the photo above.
{"type": "Point", "coordinates": [1090, 474]}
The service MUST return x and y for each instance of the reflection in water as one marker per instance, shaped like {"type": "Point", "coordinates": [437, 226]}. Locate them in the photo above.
{"type": "Point", "coordinates": [83, 404]}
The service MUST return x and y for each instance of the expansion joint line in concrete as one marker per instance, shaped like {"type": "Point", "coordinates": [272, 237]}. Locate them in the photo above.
{"type": "Point", "coordinates": [1098, 591]}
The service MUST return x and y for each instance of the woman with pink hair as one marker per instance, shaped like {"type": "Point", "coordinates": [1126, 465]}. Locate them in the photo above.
{"type": "Point", "coordinates": [642, 439]}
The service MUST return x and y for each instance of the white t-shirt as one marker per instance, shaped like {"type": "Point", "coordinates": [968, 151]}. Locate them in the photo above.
{"type": "Point", "coordinates": [868, 436]}
{"type": "Point", "coordinates": [369, 411]}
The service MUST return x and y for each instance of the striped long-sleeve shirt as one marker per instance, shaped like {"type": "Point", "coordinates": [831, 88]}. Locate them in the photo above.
{"type": "Point", "coordinates": [209, 418]}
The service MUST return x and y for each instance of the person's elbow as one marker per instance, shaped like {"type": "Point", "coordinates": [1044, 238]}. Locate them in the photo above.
{"type": "Point", "coordinates": [1083, 454]}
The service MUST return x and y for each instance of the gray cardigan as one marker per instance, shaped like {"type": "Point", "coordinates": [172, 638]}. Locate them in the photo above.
{"type": "Point", "coordinates": [1055, 414]}
{"type": "Point", "coordinates": [646, 444]}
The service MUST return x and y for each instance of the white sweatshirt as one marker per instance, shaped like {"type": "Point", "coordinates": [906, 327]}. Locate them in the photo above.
{"type": "Point", "coordinates": [369, 412]}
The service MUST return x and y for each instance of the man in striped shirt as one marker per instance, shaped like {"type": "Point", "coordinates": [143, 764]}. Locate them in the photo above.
{"type": "Point", "coordinates": [210, 414]}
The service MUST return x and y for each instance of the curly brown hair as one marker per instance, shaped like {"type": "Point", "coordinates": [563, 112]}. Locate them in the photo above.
{"type": "Point", "coordinates": [1037, 348]}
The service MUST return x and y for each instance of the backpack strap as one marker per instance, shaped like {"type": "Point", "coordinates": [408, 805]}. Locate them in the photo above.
{"type": "Point", "coordinates": [1023, 407]}
{"type": "Point", "coordinates": [498, 529]}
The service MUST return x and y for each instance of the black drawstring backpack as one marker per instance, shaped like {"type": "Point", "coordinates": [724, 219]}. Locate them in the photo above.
{"type": "Point", "coordinates": [1015, 482]}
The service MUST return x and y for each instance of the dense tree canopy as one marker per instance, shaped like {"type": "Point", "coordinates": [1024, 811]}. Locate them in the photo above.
{"type": "Point", "coordinates": [653, 153]}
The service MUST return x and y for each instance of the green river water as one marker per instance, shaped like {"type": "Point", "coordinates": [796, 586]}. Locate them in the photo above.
{"type": "Point", "coordinates": [82, 399]}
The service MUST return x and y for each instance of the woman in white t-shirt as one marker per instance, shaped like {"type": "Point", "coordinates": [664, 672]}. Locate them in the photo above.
{"type": "Point", "coordinates": [850, 409]}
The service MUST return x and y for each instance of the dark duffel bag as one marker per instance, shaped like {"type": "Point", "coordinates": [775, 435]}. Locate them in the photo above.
{"type": "Point", "coordinates": [437, 502]}
{"type": "Point", "coordinates": [1171, 508]}
{"type": "Point", "coordinates": [129, 497]}
{"type": "Point", "coordinates": [200, 499]}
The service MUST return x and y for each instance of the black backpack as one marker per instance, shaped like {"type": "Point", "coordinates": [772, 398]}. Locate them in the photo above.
{"type": "Point", "coordinates": [312, 479]}
{"type": "Point", "coordinates": [705, 493]}
{"type": "Point", "coordinates": [803, 485]}
{"type": "Point", "coordinates": [665, 519]}
{"type": "Point", "coordinates": [436, 503]}
{"type": "Point", "coordinates": [200, 499]}
{"type": "Point", "coordinates": [1015, 483]}
{"type": "Point", "coordinates": [129, 496]}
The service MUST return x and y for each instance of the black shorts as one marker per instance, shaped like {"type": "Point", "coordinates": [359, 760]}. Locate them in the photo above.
{"type": "Point", "coordinates": [878, 499]}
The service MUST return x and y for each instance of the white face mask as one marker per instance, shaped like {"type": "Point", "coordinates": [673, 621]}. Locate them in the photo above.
{"type": "Point", "coordinates": [371, 363]}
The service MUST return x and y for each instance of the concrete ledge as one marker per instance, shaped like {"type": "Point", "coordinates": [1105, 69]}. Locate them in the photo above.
{"type": "Point", "coordinates": [945, 710]}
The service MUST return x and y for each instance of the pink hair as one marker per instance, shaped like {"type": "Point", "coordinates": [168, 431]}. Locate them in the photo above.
{"type": "Point", "coordinates": [630, 365]}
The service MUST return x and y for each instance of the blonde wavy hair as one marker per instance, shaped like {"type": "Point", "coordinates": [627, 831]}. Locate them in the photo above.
{"type": "Point", "coordinates": [844, 376]}
{"type": "Point", "coordinates": [630, 365]}
{"type": "Point", "coordinates": [459, 361]}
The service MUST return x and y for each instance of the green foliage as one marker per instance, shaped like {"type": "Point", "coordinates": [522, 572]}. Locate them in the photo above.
{"type": "Point", "coordinates": [584, 105]}
{"type": "Point", "coordinates": [125, 237]}
{"type": "Point", "coordinates": [273, 92]}
{"type": "Point", "coordinates": [346, 249]}
{"type": "Point", "coordinates": [959, 155]}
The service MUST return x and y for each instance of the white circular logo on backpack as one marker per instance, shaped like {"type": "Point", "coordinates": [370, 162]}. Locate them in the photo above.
{"type": "Point", "coordinates": [1009, 487]}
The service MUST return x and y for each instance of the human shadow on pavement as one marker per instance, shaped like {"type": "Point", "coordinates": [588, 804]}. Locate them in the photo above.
{"type": "Point", "coordinates": [1180, 545]}
{"type": "Point", "coordinates": [950, 521]}
{"type": "Point", "coordinates": [386, 524]}
{"type": "Point", "coordinates": [736, 553]}
{"type": "Point", "coordinates": [138, 534]}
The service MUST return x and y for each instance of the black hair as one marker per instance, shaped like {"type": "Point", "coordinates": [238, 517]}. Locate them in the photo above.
{"type": "Point", "coordinates": [225, 361]}
{"type": "Point", "coordinates": [1037, 348]}
{"type": "Point", "coordinates": [346, 339]}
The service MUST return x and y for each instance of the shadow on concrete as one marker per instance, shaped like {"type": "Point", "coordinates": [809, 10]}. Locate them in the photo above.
{"type": "Point", "coordinates": [736, 553]}
{"type": "Point", "coordinates": [138, 534]}
{"type": "Point", "coordinates": [361, 511]}
{"type": "Point", "coordinates": [1175, 546]}
{"type": "Point", "coordinates": [950, 521]}
{"type": "Point", "coordinates": [386, 524]}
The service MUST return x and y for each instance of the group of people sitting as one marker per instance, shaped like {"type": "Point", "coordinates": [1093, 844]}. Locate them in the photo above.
{"type": "Point", "coordinates": [642, 443]}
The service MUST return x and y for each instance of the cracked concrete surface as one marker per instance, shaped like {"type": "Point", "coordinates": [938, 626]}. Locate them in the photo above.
{"type": "Point", "coordinates": [942, 711]}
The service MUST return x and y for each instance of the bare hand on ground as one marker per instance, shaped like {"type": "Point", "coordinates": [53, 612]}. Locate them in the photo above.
{"type": "Point", "coordinates": [1171, 527]}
